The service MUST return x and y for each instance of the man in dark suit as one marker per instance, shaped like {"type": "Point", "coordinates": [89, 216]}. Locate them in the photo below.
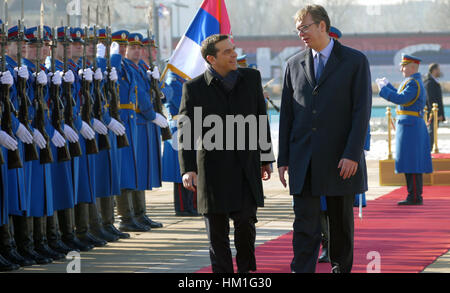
{"type": "Point", "coordinates": [227, 168]}
{"type": "Point", "coordinates": [434, 95]}
{"type": "Point", "coordinates": [325, 112]}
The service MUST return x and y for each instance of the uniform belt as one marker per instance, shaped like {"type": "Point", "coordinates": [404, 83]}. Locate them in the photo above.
{"type": "Point", "coordinates": [409, 113]}
{"type": "Point", "coordinates": [129, 107]}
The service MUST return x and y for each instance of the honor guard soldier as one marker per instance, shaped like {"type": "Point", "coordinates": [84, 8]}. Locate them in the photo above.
{"type": "Point", "coordinates": [127, 88]}
{"type": "Point", "coordinates": [108, 186]}
{"type": "Point", "coordinates": [8, 253]}
{"type": "Point", "coordinates": [413, 152]}
{"type": "Point", "coordinates": [102, 182]}
{"type": "Point", "coordinates": [86, 214]}
{"type": "Point", "coordinates": [150, 130]}
{"type": "Point", "coordinates": [147, 135]}
{"type": "Point", "coordinates": [185, 201]}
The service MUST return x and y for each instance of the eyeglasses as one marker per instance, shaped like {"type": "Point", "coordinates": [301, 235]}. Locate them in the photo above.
{"type": "Point", "coordinates": [303, 28]}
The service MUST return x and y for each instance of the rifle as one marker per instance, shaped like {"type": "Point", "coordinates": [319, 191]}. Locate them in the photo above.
{"type": "Point", "coordinates": [103, 139]}
{"type": "Point", "coordinates": [110, 88]}
{"type": "Point", "coordinates": [14, 160]}
{"type": "Point", "coordinates": [57, 110]}
{"type": "Point", "coordinates": [156, 94]}
{"type": "Point", "coordinates": [86, 108]}
{"type": "Point", "coordinates": [74, 147]}
{"type": "Point", "coordinates": [31, 153]}
{"type": "Point", "coordinates": [46, 155]}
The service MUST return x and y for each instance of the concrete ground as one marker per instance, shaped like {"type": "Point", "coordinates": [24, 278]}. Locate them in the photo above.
{"type": "Point", "coordinates": [181, 246]}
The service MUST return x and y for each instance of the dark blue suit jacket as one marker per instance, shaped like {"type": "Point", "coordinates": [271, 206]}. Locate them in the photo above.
{"type": "Point", "coordinates": [323, 121]}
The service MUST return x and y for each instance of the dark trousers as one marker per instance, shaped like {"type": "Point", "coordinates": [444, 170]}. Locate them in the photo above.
{"type": "Point", "coordinates": [218, 229]}
{"type": "Point", "coordinates": [307, 230]}
{"type": "Point", "coordinates": [414, 184]}
{"type": "Point", "coordinates": [184, 200]}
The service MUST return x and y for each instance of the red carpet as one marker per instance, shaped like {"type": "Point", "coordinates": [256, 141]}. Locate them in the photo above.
{"type": "Point", "coordinates": [440, 156]}
{"type": "Point", "coordinates": [407, 238]}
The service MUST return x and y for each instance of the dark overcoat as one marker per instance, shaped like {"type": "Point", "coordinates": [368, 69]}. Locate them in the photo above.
{"type": "Point", "coordinates": [324, 121]}
{"type": "Point", "coordinates": [223, 172]}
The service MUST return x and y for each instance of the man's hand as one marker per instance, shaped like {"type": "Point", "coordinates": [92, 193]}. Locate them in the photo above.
{"type": "Point", "coordinates": [190, 181]}
{"type": "Point", "coordinates": [281, 171]}
{"type": "Point", "coordinates": [348, 168]}
{"type": "Point", "coordinates": [266, 170]}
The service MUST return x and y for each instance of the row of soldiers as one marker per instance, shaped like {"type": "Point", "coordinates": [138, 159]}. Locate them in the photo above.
{"type": "Point", "coordinates": [85, 101]}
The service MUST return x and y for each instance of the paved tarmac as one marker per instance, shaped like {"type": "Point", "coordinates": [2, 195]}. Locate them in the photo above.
{"type": "Point", "coordinates": [181, 246]}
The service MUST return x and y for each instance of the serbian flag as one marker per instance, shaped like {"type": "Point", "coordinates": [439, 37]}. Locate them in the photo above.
{"type": "Point", "coordinates": [211, 19]}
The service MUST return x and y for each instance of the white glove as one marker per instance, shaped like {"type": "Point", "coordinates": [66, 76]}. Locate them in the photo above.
{"type": "Point", "coordinates": [101, 50]}
{"type": "Point", "coordinates": [116, 127]}
{"type": "Point", "coordinates": [56, 78]}
{"type": "Point", "coordinates": [114, 48]}
{"type": "Point", "coordinates": [70, 134]}
{"type": "Point", "coordinates": [155, 73]}
{"type": "Point", "coordinates": [42, 78]}
{"type": "Point", "coordinates": [38, 139]}
{"type": "Point", "coordinates": [58, 140]}
{"type": "Point", "coordinates": [113, 75]}
{"type": "Point", "coordinates": [68, 77]}
{"type": "Point", "coordinates": [149, 74]}
{"type": "Point", "coordinates": [99, 127]}
{"type": "Point", "coordinates": [22, 72]}
{"type": "Point", "coordinates": [161, 121]}
{"type": "Point", "coordinates": [381, 83]}
{"type": "Point", "coordinates": [7, 78]}
{"type": "Point", "coordinates": [98, 74]}
{"type": "Point", "coordinates": [385, 80]}
{"type": "Point", "coordinates": [86, 131]}
{"type": "Point", "coordinates": [7, 141]}
{"type": "Point", "coordinates": [24, 135]}
{"type": "Point", "coordinates": [86, 74]}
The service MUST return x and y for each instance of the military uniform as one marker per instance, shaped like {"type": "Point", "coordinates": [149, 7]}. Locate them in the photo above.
{"type": "Point", "coordinates": [413, 152]}
{"type": "Point", "coordinates": [129, 166]}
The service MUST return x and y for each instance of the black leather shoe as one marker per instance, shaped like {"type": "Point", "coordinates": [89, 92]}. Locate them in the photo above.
{"type": "Point", "coordinates": [76, 244]}
{"type": "Point", "coordinates": [46, 251]}
{"type": "Point", "coordinates": [60, 247]}
{"type": "Point", "coordinates": [149, 222]}
{"type": "Point", "coordinates": [102, 234]}
{"type": "Point", "coordinates": [7, 266]}
{"type": "Point", "coordinates": [410, 203]}
{"type": "Point", "coordinates": [14, 257]}
{"type": "Point", "coordinates": [90, 239]}
{"type": "Point", "coordinates": [133, 226]}
{"type": "Point", "coordinates": [113, 230]}
{"type": "Point", "coordinates": [32, 254]}
{"type": "Point", "coordinates": [324, 256]}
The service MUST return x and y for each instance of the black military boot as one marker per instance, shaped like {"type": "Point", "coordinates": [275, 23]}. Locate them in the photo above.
{"type": "Point", "coordinates": [40, 239]}
{"type": "Point", "coordinates": [54, 236]}
{"type": "Point", "coordinates": [67, 224]}
{"type": "Point", "coordinates": [140, 210]}
{"type": "Point", "coordinates": [324, 258]}
{"type": "Point", "coordinates": [6, 266]}
{"type": "Point", "coordinates": [23, 232]}
{"type": "Point", "coordinates": [125, 209]}
{"type": "Point", "coordinates": [96, 224]}
{"type": "Point", "coordinates": [107, 212]}
{"type": "Point", "coordinates": [82, 224]}
{"type": "Point", "coordinates": [8, 248]}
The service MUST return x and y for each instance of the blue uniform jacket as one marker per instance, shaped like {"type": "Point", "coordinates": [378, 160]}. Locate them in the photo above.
{"type": "Point", "coordinates": [41, 202]}
{"type": "Point", "coordinates": [413, 152]}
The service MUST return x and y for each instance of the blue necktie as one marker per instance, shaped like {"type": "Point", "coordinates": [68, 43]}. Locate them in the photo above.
{"type": "Point", "coordinates": [320, 67]}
